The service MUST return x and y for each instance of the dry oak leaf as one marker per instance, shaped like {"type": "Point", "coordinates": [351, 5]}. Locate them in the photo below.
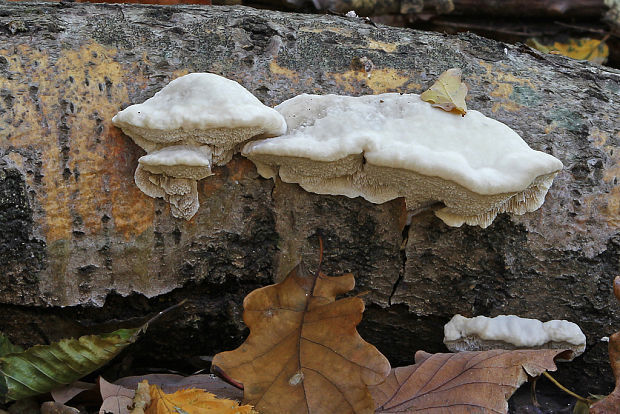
{"type": "Point", "coordinates": [448, 92]}
{"type": "Point", "coordinates": [465, 382]}
{"type": "Point", "coordinates": [192, 401]}
{"type": "Point", "coordinates": [304, 354]}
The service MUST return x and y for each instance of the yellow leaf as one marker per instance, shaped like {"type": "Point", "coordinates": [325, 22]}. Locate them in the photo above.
{"type": "Point", "coordinates": [192, 401]}
{"type": "Point", "coordinates": [448, 92]}
{"type": "Point", "coordinates": [142, 398]}
{"type": "Point", "coordinates": [584, 48]}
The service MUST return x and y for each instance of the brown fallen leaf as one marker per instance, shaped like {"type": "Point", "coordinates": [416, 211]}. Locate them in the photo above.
{"type": "Point", "coordinates": [303, 354]}
{"type": "Point", "coordinates": [611, 403]}
{"type": "Point", "coordinates": [172, 382]}
{"type": "Point", "coordinates": [192, 401]}
{"type": "Point", "coordinates": [116, 399]}
{"type": "Point", "coordinates": [67, 392]}
{"type": "Point", "coordinates": [448, 92]}
{"type": "Point", "coordinates": [54, 407]}
{"type": "Point", "coordinates": [465, 382]}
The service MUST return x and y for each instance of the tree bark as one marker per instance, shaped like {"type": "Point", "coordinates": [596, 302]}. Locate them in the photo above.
{"type": "Point", "coordinates": [562, 9]}
{"type": "Point", "coordinates": [80, 243]}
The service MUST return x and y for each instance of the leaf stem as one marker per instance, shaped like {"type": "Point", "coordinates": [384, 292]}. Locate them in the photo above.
{"type": "Point", "coordinates": [566, 390]}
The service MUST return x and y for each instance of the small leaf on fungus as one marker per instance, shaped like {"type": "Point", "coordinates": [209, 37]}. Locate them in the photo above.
{"type": "Point", "coordinates": [448, 92]}
{"type": "Point", "coordinates": [303, 354]}
{"type": "Point", "coordinates": [460, 383]}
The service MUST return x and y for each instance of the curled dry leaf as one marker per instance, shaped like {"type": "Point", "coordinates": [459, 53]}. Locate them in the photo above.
{"type": "Point", "coordinates": [67, 392]}
{"type": "Point", "coordinates": [611, 403]}
{"type": "Point", "coordinates": [303, 354]}
{"type": "Point", "coordinates": [142, 398]}
{"type": "Point", "coordinates": [448, 92]}
{"type": "Point", "coordinates": [53, 407]}
{"type": "Point", "coordinates": [460, 383]}
{"type": "Point", "coordinates": [116, 399]}
{"type": "Point", "coordinates": [192, 401]}
{"type": "Point", "coordinates": [171, 383]}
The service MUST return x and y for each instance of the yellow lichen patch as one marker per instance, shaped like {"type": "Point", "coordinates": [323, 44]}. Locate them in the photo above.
{"type": "Point", "coordinates": [378, 80]}
{"type": "Point", "coordinates": [280, 71]}
{"type": "Point", "coordinates": [338, 30]}
{"type": "Point", "coordinates": [613, 207]}
{"type": "Point", "coordinates": [611, 175]}
{"type": "Point", "coordinates": [62, 109]}
{"type": "Point", "coordinates": [385, 46]}
{"type": "Point", "coordinates": [503, 84]}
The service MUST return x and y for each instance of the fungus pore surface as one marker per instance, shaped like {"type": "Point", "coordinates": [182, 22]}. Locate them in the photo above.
{"type": "Point", "coordinates": [381, 147]}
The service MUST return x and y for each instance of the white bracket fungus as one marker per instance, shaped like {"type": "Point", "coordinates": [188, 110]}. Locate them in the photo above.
{"type": "Point", "coordinates": [196, 121]}
{"type": "Point", "coordinates": [381, 147]}
{"type": "Point", "coordinates": [511, 332]}
{"type": "Point", "coordinates": [171, 173]}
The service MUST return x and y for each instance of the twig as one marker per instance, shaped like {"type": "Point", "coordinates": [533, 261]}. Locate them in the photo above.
{"type": "Point", "coordinates": [566, 390]}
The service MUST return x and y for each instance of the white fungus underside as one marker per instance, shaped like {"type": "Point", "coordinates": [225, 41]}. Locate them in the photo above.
{"type": "Point", "coordinates": [180, 193]}
{"type": "Point", "coordinates": [380, 184]}
{"type": "Point", "coordinates": [381, 147]}
{"type": "Point", "coordinates": [511, 329]}
{"type": "Point", "coordinates": [223, 142]}
{"type": "Point", "coordinates": [202, 101]}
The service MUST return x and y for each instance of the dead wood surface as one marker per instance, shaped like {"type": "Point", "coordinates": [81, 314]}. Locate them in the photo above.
{"type": "Point", "coordinates": [76, 232]}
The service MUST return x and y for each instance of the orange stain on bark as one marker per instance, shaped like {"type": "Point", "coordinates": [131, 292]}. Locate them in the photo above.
{"type": "Point", "coordinates": [63, 110]}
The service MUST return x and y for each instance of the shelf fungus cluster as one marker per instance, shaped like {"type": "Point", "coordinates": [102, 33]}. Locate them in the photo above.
{"type": "Point", "coordinates": [194, 123]}
{"type": "Point", "coordinates": [512, 332]}
{"type": "Point", "coordinates": [381, 147]}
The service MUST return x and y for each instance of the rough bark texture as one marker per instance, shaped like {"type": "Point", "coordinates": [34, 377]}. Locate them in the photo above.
{"type": "Point", "coordinates": [80, 243]}
{"type": "Point", "coordinates": [581, 9]}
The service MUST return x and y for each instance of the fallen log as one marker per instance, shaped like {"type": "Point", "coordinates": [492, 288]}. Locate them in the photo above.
{"type": "Point", "coordinates": [79, 241]}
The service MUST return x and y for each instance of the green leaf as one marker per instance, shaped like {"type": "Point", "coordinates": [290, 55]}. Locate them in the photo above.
{"type": "Point", "coordinates": [42, 368]}
{"type": "Point", "coordinates": [6, 347]}
{"type": "Point", "coordinates": [581, 408]}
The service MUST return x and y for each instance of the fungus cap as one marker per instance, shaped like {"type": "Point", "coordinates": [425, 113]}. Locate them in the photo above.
{"type": "Point", "coordinates": [200, 108]}
{"type": "Point", "coordinates": [511, 332]}
{"type": "Point", "coordinates": [385, 146]}
{"type": "Point", "coordinates": [179, 161]}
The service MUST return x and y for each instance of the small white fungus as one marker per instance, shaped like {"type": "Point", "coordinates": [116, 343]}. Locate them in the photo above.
{"type": "Point", "coordinates": [511, 329]}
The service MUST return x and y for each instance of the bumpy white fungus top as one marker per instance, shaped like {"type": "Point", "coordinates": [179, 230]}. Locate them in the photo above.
{"type": "Point", "coordinates": [521, 332]}
{"type": "Point", "coordinates": [402, 131]}
{"type": "Point", "coordinates": [202, 101]}
{"type": "Point", "coordinates": [178, 155]}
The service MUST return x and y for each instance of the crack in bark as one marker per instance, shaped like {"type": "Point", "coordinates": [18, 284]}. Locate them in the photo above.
{"type": "Point", "coordinates": [403, 258]}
